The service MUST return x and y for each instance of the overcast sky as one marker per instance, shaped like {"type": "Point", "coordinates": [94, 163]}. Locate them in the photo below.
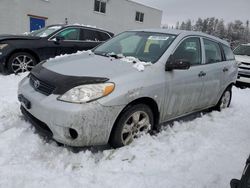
{"type": "Point", "coordinates": [181, 10]}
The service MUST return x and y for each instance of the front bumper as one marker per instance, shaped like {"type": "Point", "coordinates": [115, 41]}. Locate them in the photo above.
{"type": "Point", "coordinates": [244, 76]}
{"type": "Point", "coordinates": [92, 121]}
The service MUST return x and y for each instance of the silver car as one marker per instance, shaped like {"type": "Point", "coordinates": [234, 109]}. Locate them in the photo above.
{"type": "Point", "coordinates": [242, 56]}
{"type": "Point", "coordinates": [127, 86]}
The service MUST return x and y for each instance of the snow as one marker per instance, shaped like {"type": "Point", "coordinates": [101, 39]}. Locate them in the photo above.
{"type": "Point", "coordinates": [139, 65]}
{"type": "Point", "coordinates": [74, 54]}
{"type": "Point", "coordinates": [91, 26]}
{"type": "Point", "coordinates": [204, 152]}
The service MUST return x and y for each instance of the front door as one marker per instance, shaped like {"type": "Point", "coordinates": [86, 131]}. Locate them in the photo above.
{"type": "Point", "coordinates": [183, 87]}
{"type": "Point", "coordinates": [69, 41]}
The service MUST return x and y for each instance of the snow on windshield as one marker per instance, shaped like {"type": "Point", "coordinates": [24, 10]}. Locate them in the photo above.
{"type": "Point", "coordinates": [139, 65]}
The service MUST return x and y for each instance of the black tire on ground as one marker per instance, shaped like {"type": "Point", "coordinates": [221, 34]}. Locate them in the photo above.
{"type": "Point", "coordinates": [225, 100]}
{"type": "Point", "coordinates": [133, 128]}
{"type": "Point", "coordinates": [20, 62]}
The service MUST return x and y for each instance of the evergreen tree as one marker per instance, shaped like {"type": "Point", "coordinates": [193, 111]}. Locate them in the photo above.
{"type": "Point", "coordinates": [198, 25]}
{"type": "Point", "coordinates": [188, 25]}
{"type": "Point", "coordinates": [235, 32]}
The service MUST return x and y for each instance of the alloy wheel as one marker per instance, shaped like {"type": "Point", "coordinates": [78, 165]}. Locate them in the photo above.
{"type": "Point", "coordinates": [136, 125]}
{"type": "Point", "coordinates": [22, 63]}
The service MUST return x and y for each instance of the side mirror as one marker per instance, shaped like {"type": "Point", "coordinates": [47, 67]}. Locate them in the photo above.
{"type": "Point", "coordinates": [178, 64]}
{"type": "Point", "coordinates": [59, 38]}
{"type": "Point", "coordinates": [234, 183]}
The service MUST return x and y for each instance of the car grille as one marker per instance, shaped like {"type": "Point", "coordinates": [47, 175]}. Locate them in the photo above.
{"type": "Point", "coordinates": [41, 86]}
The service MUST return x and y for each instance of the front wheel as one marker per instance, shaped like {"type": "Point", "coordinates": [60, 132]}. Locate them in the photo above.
{"type": "Point", "coordinates": [134, 121]}
{"type": "Point", "coordinates": [20, 62]}
{"type": "Point", "coordinates": [225, 100]}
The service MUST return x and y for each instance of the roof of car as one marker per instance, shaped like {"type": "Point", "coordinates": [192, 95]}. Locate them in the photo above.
{"type": "Point", "coordinates": [81, 25]}
{"type": "Point", "coordinates": [184, 32]}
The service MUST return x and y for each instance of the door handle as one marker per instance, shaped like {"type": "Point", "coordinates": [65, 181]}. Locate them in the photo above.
{"type": "Point", "coordinates": [201, 74]}
{"type": "Point", "coordinates": [225, 69]}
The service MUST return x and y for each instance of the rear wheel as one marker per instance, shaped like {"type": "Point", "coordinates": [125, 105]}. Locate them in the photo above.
{"type": "Point", "coordinates": [21, 62]}
{"type": "Point", "coordinates": [225, 100]}
{"type": "Point", "coordinates": [134, 121]}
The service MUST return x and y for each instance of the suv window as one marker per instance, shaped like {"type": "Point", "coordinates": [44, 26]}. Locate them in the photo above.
{"type": "Point", "coordinates": [104, 36]}
{"type": "Point", "coordinates": [189, 50]}
{"type": "Point", "coordinates": [91, 35]}
{"type": "Point", "coordinates": [69, 34]}
{"type": "Point", "coordinates": [212, 51]}
{"type": "Point", "coordinates": [228, 53]}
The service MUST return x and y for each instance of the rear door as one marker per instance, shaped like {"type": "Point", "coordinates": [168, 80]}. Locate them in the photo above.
{"type": "Point", "coordinates": [229, 68]}
{"type": "Point", "coordinates": [91, 38]}
{"type": "Point", "coordinates": [183, 87]}
{"type": "Point", "coordinates": [213, 70]}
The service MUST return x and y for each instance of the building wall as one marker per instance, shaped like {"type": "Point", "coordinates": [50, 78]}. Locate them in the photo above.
{"type": "Point", "coordinates": [119, 16]}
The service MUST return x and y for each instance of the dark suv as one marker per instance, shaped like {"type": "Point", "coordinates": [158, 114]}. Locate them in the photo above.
{"type": "Point", "coordinates": [19, 53]}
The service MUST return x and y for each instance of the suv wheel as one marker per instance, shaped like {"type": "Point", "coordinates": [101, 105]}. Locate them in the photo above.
{"type": "Point", "coordinates": [134, 121]}
{"type": "Point", "coordinates": [21, 62]}
{"type": "Point", "coordinates": [225, 100]}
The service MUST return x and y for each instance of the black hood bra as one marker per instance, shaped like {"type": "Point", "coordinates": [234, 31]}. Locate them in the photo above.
{"type": "Point", "coordinates": [61, 83]}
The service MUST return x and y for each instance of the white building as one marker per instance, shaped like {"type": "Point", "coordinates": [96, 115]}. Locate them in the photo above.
{"type": "Point", "coordinates": [19, 16]}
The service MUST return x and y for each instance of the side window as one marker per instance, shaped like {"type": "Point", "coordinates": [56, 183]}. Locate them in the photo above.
{"type": "Point", "coordinates": [189, 50]}
{"type": "Point", "coordinates": [228, 53]}
{"type": "Point", "coordinates": [212, 51]}
{"type": "Point", "coordinates": [91, 35]}
{"type": "Point", "coordinates": [69, 34]}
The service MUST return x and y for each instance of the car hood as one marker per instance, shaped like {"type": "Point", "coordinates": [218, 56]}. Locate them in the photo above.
{"type": "Point", "coordinates": [17, 37]}
{"type": "Point", "coordinates": [90, 65]}
{"type": "Point", "coordinates": [242, 58]}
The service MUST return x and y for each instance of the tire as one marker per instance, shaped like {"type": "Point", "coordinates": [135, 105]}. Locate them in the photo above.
{"type": "Point", "coordinates": [225, 100]}
{"type": "Point", "coordinates": [20, 62]}
{"type": "Point", "coordinates": [128, 126]}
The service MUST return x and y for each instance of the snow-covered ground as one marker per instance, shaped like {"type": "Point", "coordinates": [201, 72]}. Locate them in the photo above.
{"type": "Point", "coordinates": [205, 152]}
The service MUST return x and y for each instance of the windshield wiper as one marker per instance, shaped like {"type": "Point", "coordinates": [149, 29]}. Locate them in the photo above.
{"type": "Point", "coordinates": [114, 56]}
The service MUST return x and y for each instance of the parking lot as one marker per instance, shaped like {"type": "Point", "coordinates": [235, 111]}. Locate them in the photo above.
{"type": "Point", "coordinates": [206, 152]}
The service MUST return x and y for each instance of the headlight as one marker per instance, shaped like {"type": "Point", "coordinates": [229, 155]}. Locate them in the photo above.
{"type": "Point", "coordinates": [2, 46]}
{"type": "Point", "coordinates": [87, 93]}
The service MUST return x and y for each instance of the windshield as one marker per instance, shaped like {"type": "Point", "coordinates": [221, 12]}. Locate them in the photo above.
{"type": "Point", "coordinates": [44, 32]}
{"type": "Point", "coordinates": [242, 50]}
{"type": "Point", "coordinates": [146, 46]}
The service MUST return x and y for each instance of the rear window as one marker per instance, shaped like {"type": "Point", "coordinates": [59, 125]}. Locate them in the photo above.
{"type": "Point", "coordinates": [228, 53]}
{"type": "Point", "coordinates": [104, 36]}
